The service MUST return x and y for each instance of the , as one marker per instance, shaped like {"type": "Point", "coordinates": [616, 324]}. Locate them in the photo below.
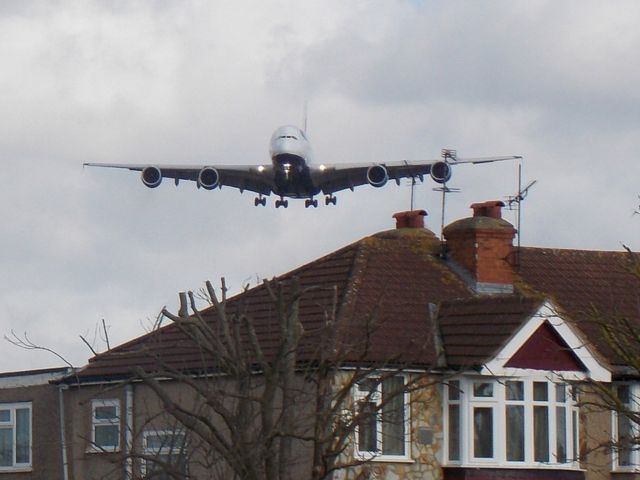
{"type": "Point", "coordinates": [292, 172]}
